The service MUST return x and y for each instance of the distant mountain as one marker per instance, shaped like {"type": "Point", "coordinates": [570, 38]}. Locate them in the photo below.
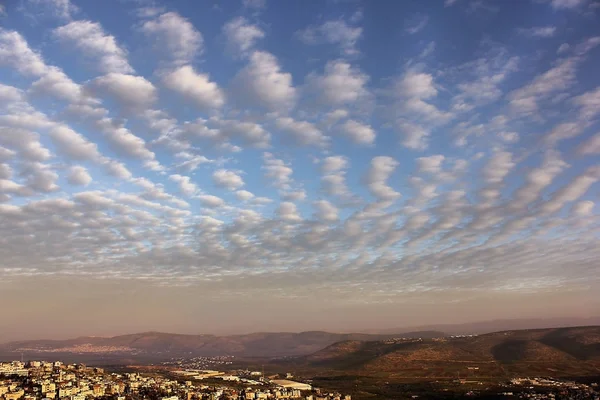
{"type": "Point", "coordinates": [498, 325]}
{"type": "Point", "coordinates": [176, 345]}
{"type": "Point", "coordinates": [573, 351]}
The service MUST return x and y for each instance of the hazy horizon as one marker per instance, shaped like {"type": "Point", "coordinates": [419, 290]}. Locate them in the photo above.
{"type": "Point", "coordinates": [260, 165]}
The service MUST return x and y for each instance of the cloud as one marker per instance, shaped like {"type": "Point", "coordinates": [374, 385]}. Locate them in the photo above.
{"type": "Point", "coordinates": [124, 142]}
{"type": "Point", "coordinates": [277, 172]}
{"type": "Point", "coordinates": [336, 32]}
{"type": "Point", "coordinates": [537, 180]}
{"type": "Point", "coordinates": [263, 82]}
{"type": "Point", "coordinates": [334, 164]}
{"type": "Point", "coordinates": [540, 31]}
{"type": "Point", "coordinates": [325, 211]}
{"type": "Point", "coordinates": [211, 201]}
{"type": "Point", "coordinates": [288, 211]}
{"type": "Point", "coordinates": [248, 132]}
{"type": "Point", "coordinates": [74, 145]}
{"type": "Point", "coordinates": [499, 165]}
{"type": "Point", "coordinates": [133, 93]}
{"type": "Point", "coordinates": [62, 9]}
{"type": "Point", "coordinates": [244, 195]}
{"type": "Point", "coordinates": [589, 103]}
{"type": "Point", "coordinates": [567, 4]}
{"type": "Point", "coordinates": [340, 84]}
{"type": "Point", "coordinates": [256, 4]}
{"type": "Point", "coordinates": [431, 164]}
{"type": "Point", "coordinates": [15, 52]}
{"type": "Point", "coordinates": [526, 99]}
{"type": "Point", "coordinates": [227, 179]}
{"type": "Point", "coordinates": [416, 23]}
{"type": "Point", "coordinates": [25, 142]}
{"type": "Point", "coordinates": [358, 132]}
{"type": "Point", "coordinates": [583, 208]}
{"type": "Point", "coordinates": [302, 132]}
{"type": "Point", "coordinates": [572, 191]}
{"type": "Point", "coordinates": [414, 136]}
{"type": "Point", "coordinates": [379, 172]}
{"type": "Point", "coordinates": [78, 175]}
{"type": "Point", "coordinates": [591, 146]}
{"type": "Point", "coordinates": [186, 187]}
{"type": "Point", "coordinates": [196, 87]}
{"type": "Point", "coordinates": [175, 36]}
{"type": "Point", "coordinates": [241, 35]}
{"type": "Point", "coordinates": [102, 49]}
{"type": "Point", "coordinates": [56, 83]}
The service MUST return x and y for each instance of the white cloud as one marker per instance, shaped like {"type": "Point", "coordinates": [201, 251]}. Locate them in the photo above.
{"type": "Point", "coordinates": [74, 145]}
{"type": "Point", "coordinates": [185, 185]}
{"type": "Point", "coordinates": [78, 175]}
{"type": "Point", "coordinates": [589, 103]}
{"type": "Point", "coordinates": [124, 142]}
{"type": "Point", "coordinates": [563, 131]}
{"type": "Point", "coordinates": [15, 53]}
{"type": "Point", "coordinates": [416, 23]}
{"type": "Point", "coordinates": [414, 136]}
{"type": "Point", "coordinates": [5, 171]}
{"type": "Point", "coordinates": [288, 211]}
{"type": "Point", "coordinates": [133, 93]}
{"type": "Point", "coordinates": [211, 201]}
{"type": "Point", "coordinates": [336, 32]}
{"type": "Point", "coordinates": [54, 82]}
{"type": "Point", "coordinates": [379, 172]}
{"type": "Point", "coordinates": [244, 195]}
{"type": "Point", "coordinates": [63, 9]}
{"type": "Point", "coordinates": [567, 4]}
{"type": "Point", "coordinates": [176, 35]}
{"type": "Point", "coordinates": [538, 179]}
{"type": "Point", "coordinates": [241, 35]}
{"type": "Point", "coordinates": [430, 164]}
{"type": "Point", "coordinates": [334, 164]}
{"type": "Point", "coordinates": [358, 132]}
{"type": "Point", "coordinates": [26, 143]}
{"type": "Point", "coordinates": [340, 84]}
{"type": "Point", "coordinates": [10, 94]}
{"type": "Point", "coordinates": [227, 179]}
{"type": "Point", "coordinates": [572, 191]}
{"type": "Point", "coordinates": [256, 4]}
{"type": "Point", "coordinates": [248, 132]}
{"type": "Point", "coordinates": [196, 87]}
{"type": "Point", "coordinates": [326, 211]}
{"type": "Point", "coordinates": [498, 166]}
{"type": "Point", "coordinates": [101, 48]}
{"type": "Point", "coordinates": [539, 31]}
{"type": "Point", "coordinates": [583, 208]}
{"type": "Point", "coordinates": [302, 132]}
{"type": "Point", "coordinates": [591, 146]}
{"type": "Point", "coordinates": [117, 169]}
{"type": "Point", "coordinates": [277, 172]}
{"type": "Point", "coordinates": [263, 82]}
{"type": "Point", "coordinates": [525, 100]}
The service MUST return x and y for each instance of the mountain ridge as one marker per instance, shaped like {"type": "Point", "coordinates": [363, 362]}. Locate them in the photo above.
{"type": "Point", "coordinates": [259, 344]}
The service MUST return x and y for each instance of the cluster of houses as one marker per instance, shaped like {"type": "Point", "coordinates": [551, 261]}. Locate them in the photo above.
{"type": "Point", "coordinates": [39, 380]}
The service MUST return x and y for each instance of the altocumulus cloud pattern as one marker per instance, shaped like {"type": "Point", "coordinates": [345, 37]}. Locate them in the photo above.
{"type": "Point", "coordinates": [369, 153]}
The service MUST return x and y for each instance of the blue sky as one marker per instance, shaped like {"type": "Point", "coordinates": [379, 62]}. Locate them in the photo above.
{"type": "Point", "coordinates": [400, 161]}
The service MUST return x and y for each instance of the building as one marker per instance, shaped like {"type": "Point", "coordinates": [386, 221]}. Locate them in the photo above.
{"type": "Point", "coordinates": [291, 384]}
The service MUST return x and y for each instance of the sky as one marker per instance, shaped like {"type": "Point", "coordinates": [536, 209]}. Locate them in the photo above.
{"type": "Point", "coordinates": [258, 165]}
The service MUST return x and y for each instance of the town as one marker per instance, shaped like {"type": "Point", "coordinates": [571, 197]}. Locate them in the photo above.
{"type": "Point", "coordinates": [41, 380]}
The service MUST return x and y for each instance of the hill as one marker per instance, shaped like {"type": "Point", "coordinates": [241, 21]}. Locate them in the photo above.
{"type": "Point", "coordinates": [167, 345]}
{"type": "Point", "coordinates": [498, 325]}
{"type": "Point", "coordinates": [557, 351]}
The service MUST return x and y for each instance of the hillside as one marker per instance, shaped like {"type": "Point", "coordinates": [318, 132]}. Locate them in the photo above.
{"type": "Point", "coordinates": [557, 351]}
{"type": "Point", "coordinates": [159, 344]}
